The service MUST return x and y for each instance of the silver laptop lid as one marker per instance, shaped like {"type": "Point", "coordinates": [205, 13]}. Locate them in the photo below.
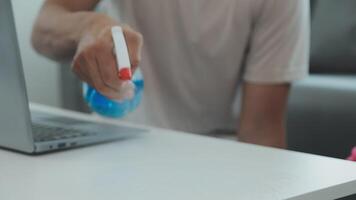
{"type": "Point", "coordinates": [15, 123]}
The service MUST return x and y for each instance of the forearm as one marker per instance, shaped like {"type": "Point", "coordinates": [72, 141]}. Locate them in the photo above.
{"type": "Point", "coordinates": [266, 134]}
{"type": "Point", "coordinates": [57, 31]}
{"type": "Point", "coordinates": [263, 114]}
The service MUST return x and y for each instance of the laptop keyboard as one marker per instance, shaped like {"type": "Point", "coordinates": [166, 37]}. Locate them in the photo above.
{"type": "Point", "coordinates": [43, 133]}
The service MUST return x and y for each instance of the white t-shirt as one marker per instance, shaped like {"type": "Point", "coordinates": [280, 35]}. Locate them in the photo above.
{"type": "Point", "coordinates": [197, 52]}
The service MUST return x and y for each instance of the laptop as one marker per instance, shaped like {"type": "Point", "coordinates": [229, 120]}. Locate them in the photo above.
{"type": "Point", "coordinates": [38, 132]}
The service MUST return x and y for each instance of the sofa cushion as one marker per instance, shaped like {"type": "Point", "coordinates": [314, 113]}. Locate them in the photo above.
{"type": "Point", "coordinates": [322, 115]}
{"type": "Point", "coordinates": [333, 36]}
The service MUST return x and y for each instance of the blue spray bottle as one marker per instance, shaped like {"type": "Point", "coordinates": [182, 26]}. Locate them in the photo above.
{"type": "Point", "coordinates": [132, 88]}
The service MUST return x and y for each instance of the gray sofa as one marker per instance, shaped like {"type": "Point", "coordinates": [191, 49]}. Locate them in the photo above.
{"type": "Point", "coordinates": [322, 108]}
{"type": "Point", "coordinates": [322, 115]}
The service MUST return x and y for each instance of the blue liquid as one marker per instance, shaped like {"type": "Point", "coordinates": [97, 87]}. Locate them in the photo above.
{"type": "Point", "coordinates": [109, 108]}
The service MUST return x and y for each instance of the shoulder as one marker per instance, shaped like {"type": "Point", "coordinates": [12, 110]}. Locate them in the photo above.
{"type": "Point", "coordinates": [265, 9]}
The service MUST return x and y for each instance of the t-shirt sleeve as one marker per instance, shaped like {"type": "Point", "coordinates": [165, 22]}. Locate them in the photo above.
{"type": "Point", "coordinates": [279, 44]}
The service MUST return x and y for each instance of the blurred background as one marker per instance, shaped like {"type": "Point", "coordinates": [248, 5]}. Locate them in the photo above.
{"type": "Point", "coordinates": [42, 75]}
{"type": "Point", "coordinates": [322, 108]}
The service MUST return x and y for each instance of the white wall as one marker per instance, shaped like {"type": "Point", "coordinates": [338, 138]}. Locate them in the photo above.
{"type": "Point", "coordinates": [41, 74]}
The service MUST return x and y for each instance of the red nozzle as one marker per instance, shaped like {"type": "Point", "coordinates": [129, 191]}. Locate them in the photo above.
{"type": "Point", "coordinates": [125, 74]}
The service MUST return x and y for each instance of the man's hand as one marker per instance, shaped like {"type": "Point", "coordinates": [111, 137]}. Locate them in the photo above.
{"type": "Point", "coordinates": [262, 118]}
{"type": "Point", "coordinates": [95, 61]}
{"type": "Point", "coordinates": [67, 29]}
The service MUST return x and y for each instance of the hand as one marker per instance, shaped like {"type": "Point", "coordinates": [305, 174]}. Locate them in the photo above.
{"type": "Point", "coordinates": [95, 62]}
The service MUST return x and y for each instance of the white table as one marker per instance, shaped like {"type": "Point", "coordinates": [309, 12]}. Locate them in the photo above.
{"type": "Point", "coordinates": [168, 165]}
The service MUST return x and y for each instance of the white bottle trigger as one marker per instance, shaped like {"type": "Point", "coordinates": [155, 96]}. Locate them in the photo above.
{"type": "Point", "coordinates": [123, 63]}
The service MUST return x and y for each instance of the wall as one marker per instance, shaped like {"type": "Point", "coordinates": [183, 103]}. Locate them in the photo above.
{"type": "Point", "coordinates": [41, 74]}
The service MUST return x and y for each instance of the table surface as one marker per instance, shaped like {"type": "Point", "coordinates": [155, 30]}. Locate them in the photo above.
{"type": "Point", "coordinates": [164, 164]}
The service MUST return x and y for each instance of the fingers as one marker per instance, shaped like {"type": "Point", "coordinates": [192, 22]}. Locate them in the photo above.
{"type": "Point", "coordinates": [87, 69]}
{"type": "Point", "coordinates": [77, 69]}
{"type": "Point", "coordinates": [107, 66]}
{"type": "Point", "coordinates": [134, 42]}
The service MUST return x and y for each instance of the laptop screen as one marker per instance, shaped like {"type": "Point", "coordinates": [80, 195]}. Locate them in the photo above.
{"type": "Point", "coordinates": [14, 112]}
